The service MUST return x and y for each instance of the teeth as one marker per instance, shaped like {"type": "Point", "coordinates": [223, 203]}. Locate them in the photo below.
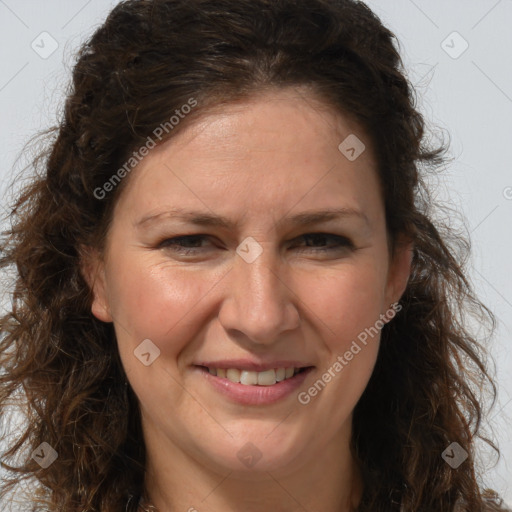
{"type": "Point", "coordinates": [280, 374]}
{"type": "Point", "coordinates": [233, 375]}
{"type": "Point", "coordinates": [267, 378]}
{"type": "Point", "coordinates": [250, 378]}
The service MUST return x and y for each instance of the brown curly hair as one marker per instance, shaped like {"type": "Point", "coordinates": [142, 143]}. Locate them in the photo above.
{"type": "Point", "coordinates": [61, 363]}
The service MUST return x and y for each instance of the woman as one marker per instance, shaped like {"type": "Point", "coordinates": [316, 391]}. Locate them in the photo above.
{"type": "Point", "coordinates": [178, 345]}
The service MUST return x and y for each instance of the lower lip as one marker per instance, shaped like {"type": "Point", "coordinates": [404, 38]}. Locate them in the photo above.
{"type": "Point", "coordinates": [255, 395]}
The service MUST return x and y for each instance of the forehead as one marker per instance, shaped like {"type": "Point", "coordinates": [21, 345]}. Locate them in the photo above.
{"type": "Point", "coordinates": [276, 120]}
{"type": "Point", "coordinates": [265, 154]}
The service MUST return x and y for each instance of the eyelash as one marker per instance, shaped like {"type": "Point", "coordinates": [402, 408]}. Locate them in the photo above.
{"type": "Point", "coordinates": [172, 243]}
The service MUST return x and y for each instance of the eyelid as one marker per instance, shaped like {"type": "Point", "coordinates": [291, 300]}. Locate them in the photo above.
{"type": "Point", "coordinates": [339, 238]}
{"type": "Point", "coordinates": [343, 242]}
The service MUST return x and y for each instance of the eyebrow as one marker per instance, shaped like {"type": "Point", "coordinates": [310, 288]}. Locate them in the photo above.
{"type": "Point", "coordinates": [211, 220]}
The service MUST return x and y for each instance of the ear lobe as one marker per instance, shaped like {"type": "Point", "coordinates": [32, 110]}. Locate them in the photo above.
{"type": "Point", "coordinates": [93, 271]}
{"type": "Point", "coordinates": [400, 270]}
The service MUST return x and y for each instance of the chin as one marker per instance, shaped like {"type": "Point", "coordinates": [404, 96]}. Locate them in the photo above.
{"type": "Point", "coordinates": [253, 456]}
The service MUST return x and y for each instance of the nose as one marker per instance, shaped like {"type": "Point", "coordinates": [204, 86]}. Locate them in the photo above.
{"type": "Point", "coordinates": [259, 305]}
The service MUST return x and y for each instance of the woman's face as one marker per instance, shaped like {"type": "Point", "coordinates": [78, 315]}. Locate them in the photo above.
{"type": "Point", "coordinates": [257, 291]}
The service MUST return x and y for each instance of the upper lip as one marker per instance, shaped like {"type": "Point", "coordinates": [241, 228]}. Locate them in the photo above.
{"type": "Point", "coordinates": [255, 366]}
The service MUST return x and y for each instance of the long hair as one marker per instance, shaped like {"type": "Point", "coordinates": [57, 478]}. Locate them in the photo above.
{"type": "Point", "coordinates": [61, 364]}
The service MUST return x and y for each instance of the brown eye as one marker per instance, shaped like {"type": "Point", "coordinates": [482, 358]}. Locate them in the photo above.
{"type": "Point", "coordinates": [188, 244]}
{"type": "Point", "coordinates": [322, 239]}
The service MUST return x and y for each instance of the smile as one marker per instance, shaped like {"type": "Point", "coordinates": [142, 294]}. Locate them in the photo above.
{"type": "Point", "coordinates": [252, 378]}
{"type": "Point", "coordinates": [248, 387]}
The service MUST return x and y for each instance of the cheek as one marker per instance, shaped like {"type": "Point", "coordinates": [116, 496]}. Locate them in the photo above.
{"type": "Point", "coordinates": [347, 301]}
{"type": "Point", "coordinates": [156, 302]}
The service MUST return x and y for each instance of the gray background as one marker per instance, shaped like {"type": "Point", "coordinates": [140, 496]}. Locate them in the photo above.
{"type": "Point", "coordinates": [466, 91]}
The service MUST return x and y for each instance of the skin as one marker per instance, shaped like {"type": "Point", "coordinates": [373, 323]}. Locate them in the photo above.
{"type": "Point", "coordinates": [255, 162]}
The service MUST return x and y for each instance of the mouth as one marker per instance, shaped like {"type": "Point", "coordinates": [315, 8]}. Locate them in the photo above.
{"type": "Point", "coordinates": [268, 377]}
{"type": "Point", "coordinates": [245, 386]}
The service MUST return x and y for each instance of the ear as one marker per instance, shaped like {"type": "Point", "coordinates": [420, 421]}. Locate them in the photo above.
{"type": "Point", "coordinates": [399, 269]}
{"type": "Point", "coordinates": [92, 267]}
